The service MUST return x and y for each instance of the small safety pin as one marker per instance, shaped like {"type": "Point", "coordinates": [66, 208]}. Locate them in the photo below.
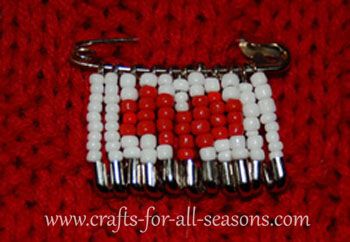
{"type": "Point", "coordinates": [266, 57]}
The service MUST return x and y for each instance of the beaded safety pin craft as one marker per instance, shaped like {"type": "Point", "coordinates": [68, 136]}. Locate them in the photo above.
{"type": "Point", "coordinates": [197, 130]}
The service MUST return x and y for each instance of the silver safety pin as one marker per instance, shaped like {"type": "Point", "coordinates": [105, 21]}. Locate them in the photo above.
{"type": "Point", "coordinates": [262, 57]}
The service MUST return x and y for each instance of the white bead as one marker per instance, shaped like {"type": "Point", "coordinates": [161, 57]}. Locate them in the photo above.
{"type": "Point", "coordinates": [229, 79]}
{"type": "Point", "coordinates": [196, 90]}
{"type": "Point", "coordinates": [113, 91]}
{"type": "Point", "coordinates": [96, 88]}
{"type": "Point", "coordinates": [272, 136]}
{"type": "Point", "coordinates": [111, 78]}
{"type": "Point", "coordinates": [129, 141]}
{"type": "Point", "coordinates": [237, 142]}
{"type": "Point", "coordinates": [267, 105]}
{"type": "Point", "coordinates": [251, 124]}
{"type": "Point", "coordinates": [148, 141]}
{"type": "Point", "coordinates": [268, 118]}
{"type": "Point", "coordinates": [93, 116]}
{"type": "Point", "coordinates": [96, 97]}
{"type": "Point", "coordinates": [127, 80]}
{"type": "Point", "coordinates": [112, 108]}
{"type": "Point", "coordinates": [275, 146]}
{"type": "Point", "coordinates": [257, 154]}
{"type": "Point", "coordinates": [273, 126]}
{"type": "Point", "coordinates": [96, 78]}
{"type": "Point", "coordinates": [230, 93]}
{"type": "Point", "coordinates": [196, 78]}
{"type": "Point", "coordinates": [263, 91]}
{"type": "Point", "coordinates": [275, 154]}
{"type": "Point", "coordinates": [240, 154]}
{"type": "Point", "coordinates": [222, 145]}
{"type": "Point", "coordinates": [95, 135]}
{"type": "Point", "coordinates": [181, 85]}
{"type": "Point", "coordinates": [224, 156]}
{"type": "Point", "coordinates": [95, 126]}
{"type": "Point", "coordinates": [94, 106]}
{"type": "Point", "coordinates": [247, 97]}
{"type": "Point", "coordinates": [211, 84]}
{"type": "Point", "coordinates": [111, 136]}
{"type": "Point", "coordinates": [245, 87]}
{"type": "Point", "coordinates": [112, 99]}
{"type": "Point", "coordinates": [94, 156]}
{"type": "Point", "coordinates": [181, 107]}
{"type": "Point", "coordinates": [111, 146]}
{"type": "Point", "coordinates": [258, 78]}
{"type": "Point", "coordinates": [148, 79]}
{"type": "Point", "coordinates": [148, 155]}
{"type": "Point", "coordinates": [93, 145]}
{"type": "Point", "coordinates": [165, 79]}
{"type": "Point", "coordinates": [115, 155]}
{"type": "Point", "coordinates": [254, 142]}
{"type": "Point", "coordinates": [251, 110]}
{"type": "Point", "coordinates": [112, 117]}
{"type": "Point", "coordinates": [129, 93]}
{"type": "Point", "coordinates": [181, 97]}
{"type": "Point", "coordinates": [112, 126]}
{"type": "Point", "coordinates": [167, 89]}
{"type": "Point", "coordinates": [207, 153]}
{"type": "Point", "coordinates": [131, 152]}
{"type": "Point", "coordinates": [164, 152]}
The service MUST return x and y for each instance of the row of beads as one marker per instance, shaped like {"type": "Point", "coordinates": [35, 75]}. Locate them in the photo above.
{"type": "Point", "coordinates": [231, 95]}
{"type": "Point", "coordinates": [93, 117]}
{"type": "Point", "coordinates": [268, 117]}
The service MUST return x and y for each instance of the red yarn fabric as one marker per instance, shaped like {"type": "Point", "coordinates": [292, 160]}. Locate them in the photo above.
{"type": "Point", "coordinates": [44, 99]}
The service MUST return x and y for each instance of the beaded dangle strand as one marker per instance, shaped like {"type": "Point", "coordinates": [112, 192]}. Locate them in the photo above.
{"type": "Point", "coordinates": [268, 118]}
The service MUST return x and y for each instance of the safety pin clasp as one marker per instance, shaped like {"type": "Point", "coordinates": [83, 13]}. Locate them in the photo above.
{"type": "Point", "coordinates": [266, 57]}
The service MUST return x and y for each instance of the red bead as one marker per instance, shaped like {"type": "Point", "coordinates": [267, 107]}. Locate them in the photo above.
{"type": "Point", "coordinates": [166, 138]}
{"type": "Point", "coordinates": [200, 126]}
{"type": "Point", "coordinates": [185, 154]}
{"type": "Point", "coordinates": [199, 101]}
{"type": "Point", "coordinates": [165, 100]}
{"type": "Point", "coordinates": [235, 129]}
{"type": "Point", "coordinates": [148, 91]}
{"type": "Point", "coordinates": [219, 133]}
{"type": "Point", "coordinates": [127, 129]}
{"type": "Point", "coordinates": [217, 107]}
{"type": "Point", "coordinates": [201, 112]}
{"type": "Point", "coordinates": [146, 127]}
{"type": "Point", "coordinates": [186, 141]}
{"type": "Point", "coordinates": [166, 113]}
{"type": "Point", "coordinates": [129, 118]}
{"type": "Point", "coordinates": [233, 105]}
{"type": "Point", "coordinates": [214, 96]}
{"type": "Point", "coordinates": [204, 140]}
{"type": "Point", "coordinates": [147, 103]}
{"type": "Point", "coordinates": [145, 115]}
{"type": "Point", "coordinates": [183, 117]}
{"type": "Point", "coordinates": [235, 117]}
{"type": "Point", "coordinates": [164, 125]}
{"type": "Point", "coordinates": [128, 105]}
{"type": "Point", "coordinates": [183, 128]}
{"type": "Point", "coordinates": [218, 120]}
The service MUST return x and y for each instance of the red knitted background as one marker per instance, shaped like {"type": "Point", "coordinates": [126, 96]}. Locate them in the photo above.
{"type": "Point", "coordinates": [44, 98]}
